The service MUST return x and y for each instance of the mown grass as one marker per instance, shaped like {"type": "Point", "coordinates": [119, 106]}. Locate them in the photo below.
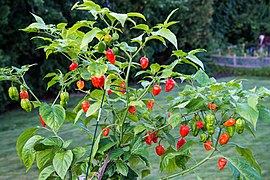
{"type": "Point", "coordinates": [15, 122]}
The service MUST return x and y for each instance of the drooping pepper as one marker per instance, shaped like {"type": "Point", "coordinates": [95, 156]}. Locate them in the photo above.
{"type": "Point", "coordinates": [13, 93]}
{"type": "Point", "coordinates": [210, 119]}
{"type": "Point", "coordinates": [210, 128]}
{"type": "Point", "coordinates": [230, 130]}
{"type": "Point", "coordinates": [240, 126]}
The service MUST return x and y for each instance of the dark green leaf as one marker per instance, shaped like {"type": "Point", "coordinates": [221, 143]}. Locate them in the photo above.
{"type": "Point", "coordinates": [46, 172]}
{"type": "Point", "coordinates": [122, 168]}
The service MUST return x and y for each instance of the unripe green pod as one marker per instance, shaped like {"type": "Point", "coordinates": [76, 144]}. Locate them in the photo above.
{"type": "Point", "coordinates": [210, 128]}
{"type": "Point", "coordinates": [101, 47]}
{"type": "Point", "coordinates": [115, 37]}
{"type": "Point", "coordinates": [26, 105]}
{"type": "Point", "coordinates": [64, 96]}
{"type": "Point", "coordinates": [13, 93]}
{"type": "Point", "coordinates": [210, 119]}
{"type": "Point", "coordinates": [230, 130]}
{"type": "Point", "coordinates": [240, 126]}
{"type": "Point", "coordinates": [203, 137]}
{"type": "Point", "coordinates": [63, 104]}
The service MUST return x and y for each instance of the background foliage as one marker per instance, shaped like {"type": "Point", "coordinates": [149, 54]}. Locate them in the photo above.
{"type": "Point", "coordinates": [228, 21]}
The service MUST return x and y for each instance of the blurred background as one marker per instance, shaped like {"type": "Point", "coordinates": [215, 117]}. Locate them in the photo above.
{"type": "Point", "coordinates": [235, 33]}
{"type": "Point", "coordinates": [225, 28]}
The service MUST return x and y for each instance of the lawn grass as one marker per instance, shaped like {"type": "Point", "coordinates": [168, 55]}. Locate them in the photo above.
{"type": "Point", "coordinates": [15, 122]}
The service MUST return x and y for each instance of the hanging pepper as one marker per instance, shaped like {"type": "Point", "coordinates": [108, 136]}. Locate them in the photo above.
{"type": "Point", "coordinates": [240, 126]}
{"type": "Point", "coordinates": [230, 130]}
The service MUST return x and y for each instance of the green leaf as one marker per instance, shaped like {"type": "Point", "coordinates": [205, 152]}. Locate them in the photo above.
{"type": "Point", "coordinates": [142, 27]}
{"type": "Point", "coordinates": [179, 53]}
{"type": "Point", "coordinates": [53, 115]}
{"type": "Point", "coordinates": [23, 138]}
{"type": "Point", "coordinates": [248, 113]}
{"type": "Point", "coordinates": [252, 101]}
{"type": "Point", "coordinates": [195, 104]}
{"type": "Point", "coordinates": [264, 114]}
{"type": "Point", "coordinates": [122, 168]}
{"type": "Point", "coordinates": [78, 152]}
{"type": "Point", "coordinates": [137, 39]}
{"type": "Point", "coordinates": [88, 37]}
{"type": "Point", "coordinates": [120, 17]}
{"type": "Point", "coordinates": [46, 172]}
{"type": "Point", "coordinates": [97, 69]}
{"type": "Point", "coordinates": [93, 108]}
{"type": "Point", "coordinates": [125, 47]}
{"type": "Point", "coordinates": [78, 116]}
{"type": "Point", "coordinates": [169, 138]}
{"type": "Point", "coordinates": [28, 152]}
{"type": "Point", "coordinates": [167, 34]}
{"type": "Point", "coordinates": [38, 19]}
{"type": "Point", "coordinates": [155, 68]}
{"type": "Point", "coordinates": [194, 59]}
{"type": "Point", "coordinates": [62, 162]}
{"type": "Point", "coordinates": [169, 16]}
{"type": "Point", "coordinates": [52, 141]}
{"type": "Point", "coordinates": [42, 157]}
{"type": "Point", "coordinates": [116, 153]}
{"type": "Point", "coordinates": [175, 119]}
{"type": "Point", "coordinates": [157, 38]}
{"type": "Point", "coordinates": [138, 129]}
{"type": "Point", "coordinates": [245, 169]}
{"type": "Point", "coordinates": [133, 161]}
{"type": "Point", "coordinates": [145, 172]}
{"type": "Point", "coordinates": [202, 78]}
{"type": "Point", "coordinates": [106, 147]}
{"type": "Point", "coordinates": [135, 14]}
{"type": "Point", "coordinates": [248, 155]}
{"type": "Point", "coordinates": [95, 148]}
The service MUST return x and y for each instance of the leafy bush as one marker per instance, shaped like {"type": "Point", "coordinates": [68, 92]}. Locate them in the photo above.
{"type": "Point", "coordinates": [125, 125]}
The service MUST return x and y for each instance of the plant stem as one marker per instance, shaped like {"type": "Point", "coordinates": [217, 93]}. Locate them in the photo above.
{"type": "Point", "coordinates": [95, 134]}
{"type": "Point", "coordinates": [145, 91]}
{"type": "Point", "coordinates": [199, 163]}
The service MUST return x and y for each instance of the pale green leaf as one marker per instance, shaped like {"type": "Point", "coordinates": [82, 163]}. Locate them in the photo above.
{"type": "Point", "coordinates": [62, 162]}
{"type": "Point", "coordinates": [28, 152]}
{"type": "Point", "coordinates": [167, 34]}
{"type": "Point", "coordinates": [46, 172]}
{"type": "Point", "coordinates": [53, 115]}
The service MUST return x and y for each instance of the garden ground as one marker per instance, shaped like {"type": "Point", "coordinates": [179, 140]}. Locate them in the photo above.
{"type": "Point", "coordinates": [14, 122]}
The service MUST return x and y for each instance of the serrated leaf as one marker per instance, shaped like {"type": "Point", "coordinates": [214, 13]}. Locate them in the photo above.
{"type": "Point", "coordinates": [245, 169]}
{"type": "Point", "coordinates": [53, 115]}
{"type": "Point", "coordinates": [23, 138]}
{"type": "Point", "coordinates": [46, 172]}
{"type": "Point", "coordinates": [88, 37]}
{"type": "Point", "coordinates": [62, 162]}
{"type": "Point", "coordinates": [248, 113]}
{"type": "Point", "coordinates": [167, 34]}
{"type": "Point", "coordinates": [28, 152]}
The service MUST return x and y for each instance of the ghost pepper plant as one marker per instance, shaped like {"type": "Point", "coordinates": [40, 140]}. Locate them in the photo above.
{"type": "Point", "coordinates": [98, 54]}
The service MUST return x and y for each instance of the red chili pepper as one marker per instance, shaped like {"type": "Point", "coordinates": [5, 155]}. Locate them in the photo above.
{"type": "Point", "coordinates": [230, 122]}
